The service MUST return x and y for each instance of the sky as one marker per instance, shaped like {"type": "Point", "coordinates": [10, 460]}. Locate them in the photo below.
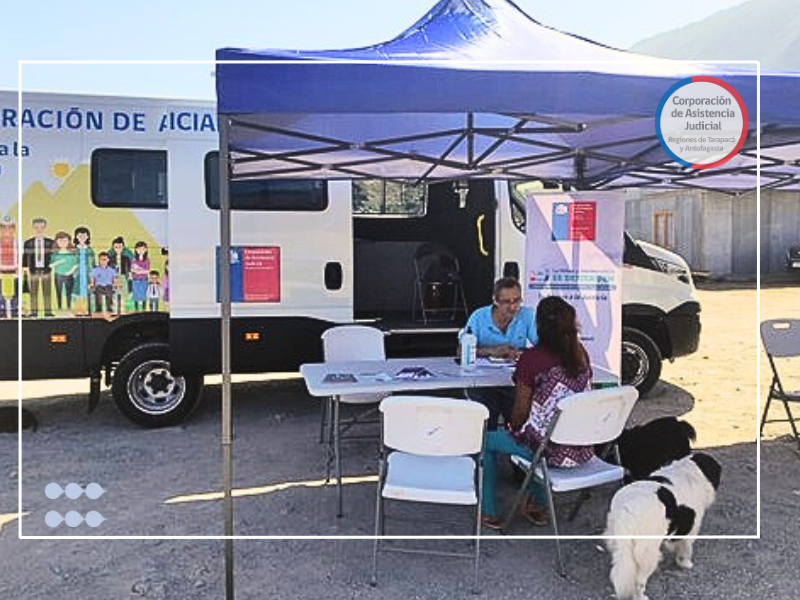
{"type": "Point", "coordinates": [162, 30]}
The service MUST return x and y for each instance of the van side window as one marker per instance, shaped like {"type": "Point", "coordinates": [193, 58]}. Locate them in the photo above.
{"type": "Point", "coordinates": [128, 178]}
{"type": "Point", "coordinates": [373, 197]}
{"type": "Point", "coordinates": [266, 194]}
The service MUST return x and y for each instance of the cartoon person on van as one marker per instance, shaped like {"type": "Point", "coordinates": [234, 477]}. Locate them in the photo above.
{"type": "Point", "coordinates": [83, 274]}
{"type": "Point", "coordinates": [64, 264]}
{"type": "Point", "coordinates": [9, 265]}
{"type": "Point", "coordinates": [37, 252]}
{"type": "Point", "coordinates": [140, 271]}
{"type": "Point", "coordinates": [120, 257]}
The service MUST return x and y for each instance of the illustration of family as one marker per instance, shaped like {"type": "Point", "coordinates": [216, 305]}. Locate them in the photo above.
{"type": "Point", "coordinates": [112, 282]}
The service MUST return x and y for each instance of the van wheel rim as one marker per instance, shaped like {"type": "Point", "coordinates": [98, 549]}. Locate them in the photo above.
{"type": "Point", "coordinates": [153, 390]}
{"type": "Point", "coordinates": [635, 364]}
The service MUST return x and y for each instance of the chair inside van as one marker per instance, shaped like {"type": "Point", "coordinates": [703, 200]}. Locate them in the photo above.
{"type": "Point", "coordinates": [438, 291]}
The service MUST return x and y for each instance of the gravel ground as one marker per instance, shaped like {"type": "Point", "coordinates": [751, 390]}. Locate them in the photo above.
{"type": "Point", "coordinates": [276, 422]}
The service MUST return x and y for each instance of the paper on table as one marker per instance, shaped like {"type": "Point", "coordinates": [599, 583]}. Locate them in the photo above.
{"type": "Point", "coordinates": [493, 362]}
{"type": "Point", "coordinates": [414, 373]}
{"type": "Point", "coordinates": [340, 378]}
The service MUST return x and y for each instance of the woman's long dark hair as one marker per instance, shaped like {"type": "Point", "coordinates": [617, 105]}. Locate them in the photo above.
{"type": "Point", "coordinates": [557, 329]}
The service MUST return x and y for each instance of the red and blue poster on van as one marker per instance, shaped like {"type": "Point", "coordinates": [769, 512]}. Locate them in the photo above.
{"type": "Point", "coordinates": [255, 274]}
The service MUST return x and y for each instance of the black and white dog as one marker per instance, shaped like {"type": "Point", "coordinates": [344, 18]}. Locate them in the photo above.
{"type": "Point", "coordinates": [672, 501]}
{"type": "Point", "coordinates": [648, 447]}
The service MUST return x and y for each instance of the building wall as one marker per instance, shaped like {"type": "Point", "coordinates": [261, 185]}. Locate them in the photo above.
{"type": "Point", "coordinates": [780, 228]}
{"type": "Point", "coordinates": [717, 233]}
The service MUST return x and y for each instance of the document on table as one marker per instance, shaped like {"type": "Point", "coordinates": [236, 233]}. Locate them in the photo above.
{"type": "Point", "coordinates": [414, 373]}
{"type": "Point", "coordinates": [494, 362]}
{"type": "Point", "coordinates": [339, 378]}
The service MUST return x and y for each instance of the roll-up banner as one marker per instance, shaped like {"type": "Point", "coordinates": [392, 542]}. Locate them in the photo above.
{"type": "Point", "coordinates": [573, 249]}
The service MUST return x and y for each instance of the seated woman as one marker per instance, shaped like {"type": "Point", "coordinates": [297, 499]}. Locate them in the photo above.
{"type": "Point", "coordinates": [556, 367]}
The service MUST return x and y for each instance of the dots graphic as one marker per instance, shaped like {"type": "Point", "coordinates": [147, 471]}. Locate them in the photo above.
{"type": "Point", "coordinates": [53, 491]}
{"type": "Point", "coordinates": [73, 518]}
{"type": "Point", "coordinates": [73, 491]}
{"type": "Point", "coordinates": [53, 518]}
{"type": "Point", "coordinates": [94, 491]}
{"type": "Point", "coordinates": [94, 518]}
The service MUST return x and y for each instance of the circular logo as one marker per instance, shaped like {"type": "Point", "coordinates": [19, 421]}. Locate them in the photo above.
{"type": "Point", "coordinates": [701, 122]}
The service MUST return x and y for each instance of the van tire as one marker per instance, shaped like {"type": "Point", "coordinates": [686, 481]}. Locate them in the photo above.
{"type": "Point", "coordinates": [641, 360]}
{"type": "Point", "coordinates": [146, 392]}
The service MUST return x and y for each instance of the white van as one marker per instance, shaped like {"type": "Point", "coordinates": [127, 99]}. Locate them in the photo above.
{"type": "Point", "coordinates": [137, 179]}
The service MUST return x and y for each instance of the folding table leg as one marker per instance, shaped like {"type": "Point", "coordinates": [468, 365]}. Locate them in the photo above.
{"type": "Point", "coordinates": [337, 455]}
{"type": "Point", "coordinates": [379, 528]}
{"type": "Point", "coordinates": [323, 420]}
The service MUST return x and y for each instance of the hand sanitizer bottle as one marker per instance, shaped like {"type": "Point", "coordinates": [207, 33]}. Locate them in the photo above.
{"type": "Point", "coordinates": [469, 349]}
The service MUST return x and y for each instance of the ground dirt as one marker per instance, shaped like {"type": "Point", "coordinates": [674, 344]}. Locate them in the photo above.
{"type": "Point", "coordinates": [162, 483]}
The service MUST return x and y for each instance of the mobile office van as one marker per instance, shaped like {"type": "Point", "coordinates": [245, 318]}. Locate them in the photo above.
{"type": "Point", "coordinates": [136, 180]}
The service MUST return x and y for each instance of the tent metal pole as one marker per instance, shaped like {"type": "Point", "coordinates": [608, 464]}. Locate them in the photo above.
{"type": "Point", "coordinates": [225, 338]}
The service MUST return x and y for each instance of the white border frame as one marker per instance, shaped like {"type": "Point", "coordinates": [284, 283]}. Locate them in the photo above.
{"type": "Point", "coordinates": [22, 63]}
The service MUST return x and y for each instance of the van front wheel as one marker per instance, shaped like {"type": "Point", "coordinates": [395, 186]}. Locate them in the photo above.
{"type": "Point", "coordinates": [146, 391]}
{"type": "Point", "coordinates": [641, 360]}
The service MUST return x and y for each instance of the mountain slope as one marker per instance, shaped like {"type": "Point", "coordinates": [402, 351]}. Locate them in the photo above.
{"type": "Point", "coordinates": [765, 30]}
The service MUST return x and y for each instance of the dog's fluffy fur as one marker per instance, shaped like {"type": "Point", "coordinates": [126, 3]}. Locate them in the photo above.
{"type": "Point", "coordinates": [671, 502]}
{"type": "Point", "coordinates": [648, 447]}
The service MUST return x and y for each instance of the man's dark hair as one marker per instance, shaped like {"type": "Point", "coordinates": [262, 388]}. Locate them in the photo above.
{"type": "Point", "coordinates": [505, 283]}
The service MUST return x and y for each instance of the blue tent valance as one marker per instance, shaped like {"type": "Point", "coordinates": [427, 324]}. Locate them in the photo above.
{"type": "Point", "coordinates": [478, 89]}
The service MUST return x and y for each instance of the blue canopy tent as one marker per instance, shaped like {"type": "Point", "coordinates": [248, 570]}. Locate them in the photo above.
{"type": "Point", "coordinates": [475, 89]}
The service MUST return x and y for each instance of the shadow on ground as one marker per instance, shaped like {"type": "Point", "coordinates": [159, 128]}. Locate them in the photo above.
{"type": "Point", "coordinates": [275, 444]}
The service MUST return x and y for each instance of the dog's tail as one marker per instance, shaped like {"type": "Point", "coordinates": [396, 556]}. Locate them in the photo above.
{"type": "Point", "coordinates": [687, 430]}
{"type": "Point", "coordinates": [624, 568]}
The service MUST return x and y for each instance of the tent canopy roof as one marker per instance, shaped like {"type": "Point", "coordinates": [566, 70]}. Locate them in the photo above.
{"type": "Point", "coordinates": [472, 90]}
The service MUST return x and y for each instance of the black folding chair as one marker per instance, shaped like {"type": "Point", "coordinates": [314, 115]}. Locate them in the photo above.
{"type": "Point", "coordinates": [781, 338]}
{"type": "Point", "coordinates": [437, 290]}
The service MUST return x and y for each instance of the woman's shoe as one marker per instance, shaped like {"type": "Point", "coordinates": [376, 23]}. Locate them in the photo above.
{"type": "Point", "coordinates": [491, 522]}
{"type": "Point", "coordinates": [535, 514]}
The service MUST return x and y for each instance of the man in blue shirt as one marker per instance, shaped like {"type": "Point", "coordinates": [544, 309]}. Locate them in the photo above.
{"type": "Point", "coordinates": [503, 330]}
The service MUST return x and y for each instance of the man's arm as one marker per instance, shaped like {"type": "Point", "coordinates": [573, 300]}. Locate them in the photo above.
{"type": "Point", "coordinates": [503, 351]}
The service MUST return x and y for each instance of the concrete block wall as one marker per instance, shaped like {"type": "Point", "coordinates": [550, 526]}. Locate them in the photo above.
{"type": "Point", "coordinates": [716, 232]}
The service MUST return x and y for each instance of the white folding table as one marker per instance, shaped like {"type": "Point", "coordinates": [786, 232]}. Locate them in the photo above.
{"type": "Point", "coordinates": [334, 379]}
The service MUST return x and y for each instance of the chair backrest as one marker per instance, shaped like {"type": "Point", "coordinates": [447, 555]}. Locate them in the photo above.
{"type": "Point", "coordinates": [435, 262]}
{"type": "Point", "coordinates": [353, 342]}
{"type": "Point", "coordinates": [433, 426]}
{"type": "Point", "coordinates": [781, 337]}
{"type": "Point", "coordinates": [594, 417]}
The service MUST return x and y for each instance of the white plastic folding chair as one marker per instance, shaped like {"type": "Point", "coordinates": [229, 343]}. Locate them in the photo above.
{"type": "Point", "coordinates": [582, 419]}
{"type": "Point", "coordinates": [781, 338]}
{"type": "Point", "coordinates": [343, 343]}
{"type": "Point", "coordinates": [431, 451]}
